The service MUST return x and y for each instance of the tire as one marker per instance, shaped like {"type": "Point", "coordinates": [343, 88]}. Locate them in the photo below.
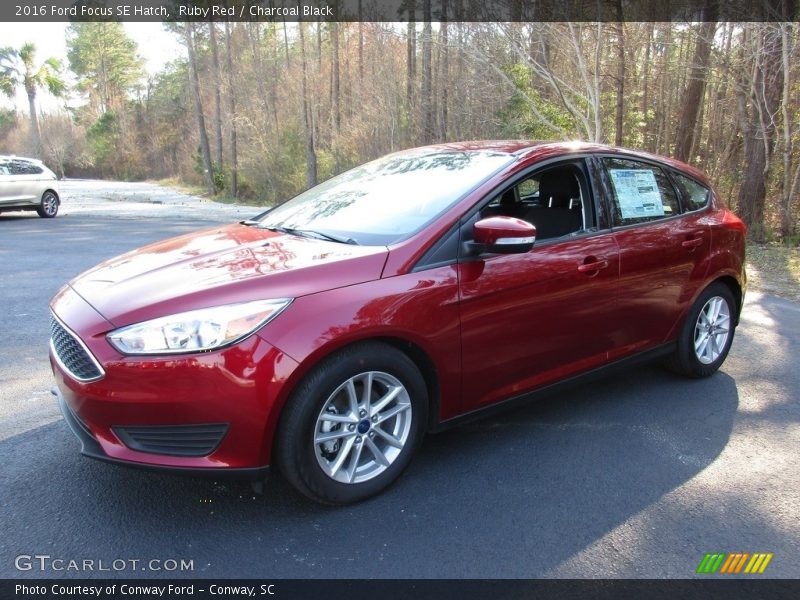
{"type": "Point", "coordinates": [707, 334]}
{"type": "Point", "coordinates": [48, 207]}
{"type": "Point", "coordinates": [338, 445]}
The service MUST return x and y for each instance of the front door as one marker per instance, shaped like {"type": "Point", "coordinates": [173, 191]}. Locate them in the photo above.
{"type": "Point", "coordinates": [531, 319]}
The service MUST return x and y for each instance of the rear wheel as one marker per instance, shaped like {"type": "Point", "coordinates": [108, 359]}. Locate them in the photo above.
{"type": "Point", "coordinates": [352, 425]}
{"type": "Point", "coordinates": [707, 334]}
{"type": "Point", "coordinates": [48, 207]}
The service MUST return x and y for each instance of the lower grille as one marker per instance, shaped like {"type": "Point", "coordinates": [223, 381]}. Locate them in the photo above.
{"type": "Point", "coordinates": [72, 354]}
{"type": "Point", "coordinates": [179, 440]}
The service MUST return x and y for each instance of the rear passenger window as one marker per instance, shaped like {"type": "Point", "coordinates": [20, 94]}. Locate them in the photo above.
{"type": "Point", "coordinates": [694, 195]}
{"type": "Point", "coordinates": [640, 192]}
{"type": "Point", "coordinates": [4, 168]}
{"type": "Point", "coordinates": [23, 167]}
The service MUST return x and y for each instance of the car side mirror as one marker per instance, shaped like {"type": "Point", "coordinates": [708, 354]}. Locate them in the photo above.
{"type": "Point", "coordinates": [501, 235]}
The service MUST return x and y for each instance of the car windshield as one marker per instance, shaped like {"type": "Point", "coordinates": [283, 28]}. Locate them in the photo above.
{"type": "Point", "coordinates": [386, 200]}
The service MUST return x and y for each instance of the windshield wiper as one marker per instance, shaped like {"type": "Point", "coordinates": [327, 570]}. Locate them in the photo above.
{"type": "Point", "coordinates": [249, 222]}
{"type": "Point", "coordinates": [311, 233]}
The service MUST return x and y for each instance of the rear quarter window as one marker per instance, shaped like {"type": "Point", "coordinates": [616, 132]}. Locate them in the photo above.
{"type": "Point", "coordinates": [23, 167]}
{"type": "Point", "coordinates": [693, 194]}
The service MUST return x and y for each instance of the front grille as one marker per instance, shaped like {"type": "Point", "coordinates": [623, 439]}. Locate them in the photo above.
{"type": "Point", "coordinates": [178, 440]}
{"type": "Point", "coordinates": [72, 354]}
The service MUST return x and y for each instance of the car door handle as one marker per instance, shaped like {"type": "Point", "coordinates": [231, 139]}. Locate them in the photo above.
{"type": "Point", "coordinates": [692, 243]}
{"type": "Point", "coordinates": [593, 266]}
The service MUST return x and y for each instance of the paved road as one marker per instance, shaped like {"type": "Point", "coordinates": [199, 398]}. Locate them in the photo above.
{"type": "Point", "coordinates": [637, 475]}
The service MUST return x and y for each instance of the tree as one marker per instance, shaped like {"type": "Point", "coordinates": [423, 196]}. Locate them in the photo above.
{"type": "Point", "coordinates": [695, 88]}
{"type": "Point", "coordinates": [212, 31]}
{"type": "Point", "coordinates": [763, 91]}
{"type": "Point", "coordinates": [18, 69]}
{"type": "Point", "coordinates": [233, 180]}
{"type": "Point", "coordinates": [427, 74]}
{"type": "Point", "coordinates": [105, 60]}
{"type": "Point", "coordinates": [311, 153]}
{"type": "Point", "coordinates": [194, 79]}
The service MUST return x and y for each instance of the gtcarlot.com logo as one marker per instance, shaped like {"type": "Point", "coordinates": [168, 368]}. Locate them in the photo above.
{"type": "Point", "coordinates": [731, 563]}
{"type": "Point", "coordinates": [47, 563]}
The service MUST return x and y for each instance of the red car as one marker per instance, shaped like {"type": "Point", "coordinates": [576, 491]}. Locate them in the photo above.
{"type": "Point", "coordinates": [328, 334]}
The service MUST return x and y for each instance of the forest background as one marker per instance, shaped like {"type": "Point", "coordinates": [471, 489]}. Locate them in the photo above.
{"type": "Point", "coordinates": [260, 111]}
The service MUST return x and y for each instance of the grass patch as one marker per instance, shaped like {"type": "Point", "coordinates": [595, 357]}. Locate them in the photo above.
{"type": "Point", "coordinates": [774, 269]}
{"type": "Point", "coordinates": [200, 192]}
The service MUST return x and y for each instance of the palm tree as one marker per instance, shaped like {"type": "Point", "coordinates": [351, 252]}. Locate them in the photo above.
{"type": "Point", "coordinates": [17, 68]}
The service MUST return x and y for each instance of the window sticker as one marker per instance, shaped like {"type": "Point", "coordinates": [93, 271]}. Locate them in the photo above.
{"type": "Point", "coordinates": [637, 193]}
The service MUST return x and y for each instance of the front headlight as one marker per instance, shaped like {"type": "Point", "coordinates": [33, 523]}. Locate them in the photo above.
{"type": "Point", "coordinates": [197, 330]}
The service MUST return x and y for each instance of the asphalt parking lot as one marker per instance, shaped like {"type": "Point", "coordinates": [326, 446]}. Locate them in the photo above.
{"type": "Point", "coordinates": [637, 475]}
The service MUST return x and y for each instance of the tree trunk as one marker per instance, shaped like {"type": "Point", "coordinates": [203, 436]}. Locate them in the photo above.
{"type": "Point", "coordinates": [36, 136]}
{"type": "Point", "coordinates": [411, 57]}
{"type": "Point", "coordinates": [765, 94]}
{"type": "Point", "coordinates": [444, 78]}
{"type": "Point", "coordinates": [335, 95]}
{"type": "Point", "coordinates": [427, 100]}
{"type": "Point", "coordinates": [311, 154]}
{"type": "Point", "coordinates": [208, 174]}
{"type": "Point", "coordinates": [695, 88]}
{"type": "Point", "coordinates": [212, 30]}
{"type": "Point", "coordinates": [360, 44]}
{"type": "Point", "coordinates": [254, 35]}
{"type": "Point", "coordinates": [645, 89]}
{"type": "Point", "coordinates": [620, 109]}
{"type": "Point", "coordinates": [788, 185]}
{"type": "Point", "coordinates": [233, 183]}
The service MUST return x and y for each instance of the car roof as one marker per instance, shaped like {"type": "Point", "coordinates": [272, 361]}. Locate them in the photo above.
{"type": "Point", "coordinates": [14, 157]}
{"type": "Point", "coordinates": [538, 149]}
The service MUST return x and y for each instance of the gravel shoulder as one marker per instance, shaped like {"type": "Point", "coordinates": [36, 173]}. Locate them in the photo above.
{"type": "Point", "coordinates": [143, 200]}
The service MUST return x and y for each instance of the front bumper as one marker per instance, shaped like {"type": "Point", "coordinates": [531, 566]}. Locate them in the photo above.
{"type": "Point", "coordinates": [91, 448]}
{"type": "Point", "coordinates": [234, 393]}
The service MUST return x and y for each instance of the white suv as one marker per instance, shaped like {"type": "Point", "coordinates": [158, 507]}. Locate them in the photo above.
{"type": "Point", "coordinates": [26, 184]}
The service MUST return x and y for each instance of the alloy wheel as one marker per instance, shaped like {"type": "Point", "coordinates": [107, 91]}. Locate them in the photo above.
{"type": "Point", "coordinates": [49, 204]}
{"type": "Point", "coordinates": [712, 330]}
{"type": "Point", "coordinates": [362, 427]}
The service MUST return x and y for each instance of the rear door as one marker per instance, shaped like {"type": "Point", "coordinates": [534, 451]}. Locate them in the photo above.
{"type": "Point", "coordinates": [534, 318]}
{"type": "Point", "coordinates": [662, 251]}
{"type": "Point", "coordinates": [28, 176]}
{"type": "Point", "coordinates": [10, 187]}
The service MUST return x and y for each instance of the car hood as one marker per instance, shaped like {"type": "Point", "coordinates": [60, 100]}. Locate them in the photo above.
{"type": "Point", "coordinates": [219, 266]}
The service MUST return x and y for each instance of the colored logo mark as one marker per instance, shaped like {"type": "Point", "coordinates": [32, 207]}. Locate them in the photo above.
{"type": "Point", "coordinates": [734, 562]}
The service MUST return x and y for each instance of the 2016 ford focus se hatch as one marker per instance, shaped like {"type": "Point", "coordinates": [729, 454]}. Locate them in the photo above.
{"type": "Point", "coordinates": [327, 335]}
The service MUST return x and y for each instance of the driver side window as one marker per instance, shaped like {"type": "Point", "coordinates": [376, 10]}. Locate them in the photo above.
{"type": "Point", "coordinates": [555, 200]}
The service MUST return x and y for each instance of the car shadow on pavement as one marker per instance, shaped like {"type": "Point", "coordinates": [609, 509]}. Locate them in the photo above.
{"type": "Point", "coordinates": [510, 496]}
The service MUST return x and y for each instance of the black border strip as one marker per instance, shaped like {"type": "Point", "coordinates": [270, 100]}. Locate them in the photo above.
{"type": "Point", "coordinates": [403, 589]}
{"type": "Point", "coordinates": [397, 10]}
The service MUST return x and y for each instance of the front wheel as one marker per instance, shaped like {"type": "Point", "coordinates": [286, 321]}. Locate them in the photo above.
{"type": "Point", "coordinates": [706, 337]}
{"type": "Point", "coordinates": [48, 207]}
{"type": "Point", "coordinates": [352, 425]}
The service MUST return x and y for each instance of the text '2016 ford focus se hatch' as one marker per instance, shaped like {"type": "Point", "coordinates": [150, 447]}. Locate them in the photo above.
{"type": "Point", "coordinates": [327, 335]}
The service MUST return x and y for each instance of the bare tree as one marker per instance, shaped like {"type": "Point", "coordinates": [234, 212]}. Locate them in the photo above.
{"type": "Point", "coordinates": [696, 85]}
{"type": "Point", "coordinates": [233, 182]}
{"type": "Point", "coordinates": [215, 72]}
{"type": "Point", "coordinates": [311, 153]}
{"type": "Point", "coordinates": [427, 68]}
{"type": "Point", "coordinates": [208, 173]}
{"type": "Point", "coordinates": [620, 108]}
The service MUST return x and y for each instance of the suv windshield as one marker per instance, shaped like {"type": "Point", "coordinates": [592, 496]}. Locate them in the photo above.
{"type": "Point", "coordinates": [385, 200]}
